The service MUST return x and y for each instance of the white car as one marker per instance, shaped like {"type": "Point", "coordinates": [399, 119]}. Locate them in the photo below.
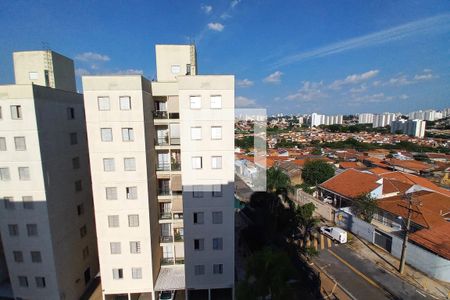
{"type": "Point", "coordinates": [167, 295]}
{"type": "Point", "coordinates": [337, 234]}
{"type": "Point", "coordinates": [328, 200]}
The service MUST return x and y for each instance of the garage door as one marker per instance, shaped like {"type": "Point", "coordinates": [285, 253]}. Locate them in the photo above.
{"type": "Point", "coordinates": [383, 240]}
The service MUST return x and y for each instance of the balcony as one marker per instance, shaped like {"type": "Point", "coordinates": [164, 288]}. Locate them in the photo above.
{"type": "Point", "coordinates": [174, 116]}
{"type": "Point", "coordinates": [166, 239]}
{"type": "Point", "coordinates": [162, 166]}
{"type": "Point", "coordinates": [171, 261]}
{"type": "Point", "coordinates": [176, 166]}
{"type": "Point", "coordinates": [178, 216]}
{"type": "Point", "coordinates": [160, 114]}
{"type": "Point", "coordinates": [162, 141]}
{"type": "Point", "coordinates": [165, 216]}
{"type": "Point", "coordinates": [175, 141]}
{"type": "Point", "coordinates": [164, 191]}
{"type": "Point", "coordinates": [179, 238]}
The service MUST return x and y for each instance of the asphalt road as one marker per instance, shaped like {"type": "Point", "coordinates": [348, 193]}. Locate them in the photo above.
{"type": "Point", "coordinates": [364, 279]}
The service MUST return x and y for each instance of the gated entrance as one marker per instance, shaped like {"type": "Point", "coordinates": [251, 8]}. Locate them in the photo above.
{"type": "Point", "coordinates": [383, 240]}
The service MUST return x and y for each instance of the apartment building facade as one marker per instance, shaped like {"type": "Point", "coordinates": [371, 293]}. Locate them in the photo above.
{"type": "Point", "coordinates": [173, 141]}
{"type": "Point", "coordinates": [46, 215]}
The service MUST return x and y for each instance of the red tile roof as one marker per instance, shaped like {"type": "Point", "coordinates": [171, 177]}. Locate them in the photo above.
{"type": "Point", "coordinates": [413, 179]}
{"type": "Point", "coordinates": [352, 183]}
{"type": "Point", "coordinates": [351, 165]}
{"type": "Point", "coordinates": [414, 165]}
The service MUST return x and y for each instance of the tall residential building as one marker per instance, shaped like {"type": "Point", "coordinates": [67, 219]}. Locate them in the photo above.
{"type": "Point", "coordinates": [410, 127]}
{"type": "Point", "coordinates": [162, 162]}
{"type": "Point", "coordinates": [384, 119]}
{"type": "Point", "coordinates": [427, 115]}
{"type": "Point", "coordinates": [365, 118]}
{"type": "Point", "coordinates": [317, 119]}
{"type": "Point", "coordinates": [46, 215]}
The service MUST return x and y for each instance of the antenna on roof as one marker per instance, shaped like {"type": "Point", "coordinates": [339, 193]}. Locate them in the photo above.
{"type": "Point", "coordinates": [45, 46]}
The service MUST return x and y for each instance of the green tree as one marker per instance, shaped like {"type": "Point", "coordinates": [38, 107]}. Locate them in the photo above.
{"type": "Point", "coordinates": [364, 207]}
{"type": "Point", "coordinates": [304, 216]}
{"type": "Point", "coordinates": [278, 182]}
{"type": "Point", "coordinates": [316, 151]}
{"type": "Point", "coordinates": [268, 274]}
{"type": "Point", "coordinates": [317, 171]}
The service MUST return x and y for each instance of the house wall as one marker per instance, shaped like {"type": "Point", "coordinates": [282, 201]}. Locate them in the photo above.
{"type": "Point", "coordinates": [417, 257]}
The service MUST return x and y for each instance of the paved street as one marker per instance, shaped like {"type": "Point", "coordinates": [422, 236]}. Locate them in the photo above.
{"type": "Point", "coordinates": [362, 278]}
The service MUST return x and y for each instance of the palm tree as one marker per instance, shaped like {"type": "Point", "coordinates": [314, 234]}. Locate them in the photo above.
{"type": "Point", "coordinates": [278, 182]}
{"type": "Point", "coordinates": [306, 221]}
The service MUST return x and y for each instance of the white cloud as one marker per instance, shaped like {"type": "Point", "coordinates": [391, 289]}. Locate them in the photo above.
{"type": "Point", "coordinates": [427, 70]}
{"type": "Point", "coordinates": [425, 76]}
{"type": "Point", "coordinates": [225, 16]}
{"type": "Point", "coordinates": [207, 9]}
{"type": "Point", "coordinates": [399, 81]}
{"type": "Point", "coordinates": [216, 26]}
{"type": "Point", "coordinates": [275, 77]}
{"type": "Point", "coordinates": [439, 23]}
{"type": "Point", "coordinates": [309, 91]}
{"type": "Point", "coordinates": [244, 83]}
{"type": "Point", "coordinates": [81, 72]}
{"type": "Point", "coordinates": [403, 97]}
{"type": "Point", "coordinates": [360, 89]}
{"type": "Point", "coordinates": [91, 57]}
{"type": "Point", "coordinates": [126, 72]}
{"type": "Point", "coordinates": [353, 79]}
{"type": "Point", "coordinates": [242, 101]}
{"type": "Point", "coordinates": [234, 3]}
{"type": "Point", "coordinates": [402, 79]}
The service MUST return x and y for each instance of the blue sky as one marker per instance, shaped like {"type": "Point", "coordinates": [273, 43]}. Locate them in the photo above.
{"type": "Point", "coordinates": [288, 56]}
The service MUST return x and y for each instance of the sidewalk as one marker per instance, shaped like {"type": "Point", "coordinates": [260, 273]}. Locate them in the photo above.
{"type": "Point", "coordinates": [438, 289]}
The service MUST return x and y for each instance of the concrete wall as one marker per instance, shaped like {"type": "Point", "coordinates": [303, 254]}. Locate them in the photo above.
{"type": "Point", "coordinates": [417, 257]}
{"type": "Point", "coordinates": [3, 267]}
{"type": "Point", "coordinates": [323, 210]}
{"type": "Point", "coordinates": [173, 55]}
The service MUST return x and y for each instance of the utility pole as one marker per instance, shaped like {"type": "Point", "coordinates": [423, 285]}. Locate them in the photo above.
{"type": "Point", "coordinates": [406, 234]}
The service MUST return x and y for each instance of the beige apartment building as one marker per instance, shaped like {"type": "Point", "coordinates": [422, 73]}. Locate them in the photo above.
{"type": "Point", "coordinates": [162, 179]}
{"type": "Point", "coordinates": [46, 211]}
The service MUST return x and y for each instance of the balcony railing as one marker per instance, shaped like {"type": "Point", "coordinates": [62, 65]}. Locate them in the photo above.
{"type": "Point", "coordinates": [166, 239]}
{"type": "Point", "coordinates": [170, 261]}
{"type": "Point", "coordinates": [179, 238]}
{"type": "Point", "coordinates": [178, 216]}
{"type": "Point", "coordinates": [174, 141]}
{"type": "Point", "coordinates": [176, 166]}
{"type": "Point", "coordinates": [179, 261]}
{"type": "Point", "coordinates": [163, 166]}
{"type": "Point", "coordinates": [174, 115]}
{"type": "Point", "coordinates": [165, 215]}
{"type": "Point", "coordinates": [160, 114]}
{"type": "Point", "coordinates": [163, 192]}
{"type": "Point", "coordinates": [162, 141]}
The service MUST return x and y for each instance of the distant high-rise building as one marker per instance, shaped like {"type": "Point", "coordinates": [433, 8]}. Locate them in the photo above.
{"type": "Point", "coordinates": [317, 119]}
{"type": "Point", "coordinates": [427, 115]}
{"type": "Point", "coordinates": [46, 215]}
{"type": "Point", "coordinates": [410, 127]}
{"type": "Point", "coordinates": [365, 118]}
{"type": "Point", "coordinates": [162, 168]}
{"type": "Point", "coordinates": [382, 120]}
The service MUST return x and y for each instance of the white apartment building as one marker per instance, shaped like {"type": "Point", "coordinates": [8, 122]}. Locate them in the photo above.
{"type": "Point", "coordinates": [382, 120]}
{"type": "Point", "coordinates": [365, 118]}
{"type": "Point", "coordinates": [46, 213]}
{"type": "Point", "coordinates": [410, 127]}
{"type": "Point", "coordinates": [427, 115]}
{"type": "Point", "coordinates": [162, 163]}
{"type": "Point", "coordinates": [317, 119]}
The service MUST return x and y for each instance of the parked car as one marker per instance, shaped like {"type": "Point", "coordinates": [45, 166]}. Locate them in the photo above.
{"type": "Point", "coordinates": [328, 200]}
{"type": "Point", "coordinates": [335, 233]}
{"type": "Point", "coordinates": [167, 295]}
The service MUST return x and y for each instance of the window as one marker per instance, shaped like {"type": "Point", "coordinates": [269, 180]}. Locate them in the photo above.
{"type": "Point", "coordinates": [125, 103]}
{"type": "Point", "coordinates": [115, 247]}
{"type": "Point", "coordinates": [24, 173]}
{"type": "Point", "coordinates": [4, 174]}
{"type": "Point", "coordinates": [198, 218]}
{"type": "Point", "coordinates": [188, 69]}
{"type": "Point", "coordinates": [27, 202]}
{"type": "Point", "coordinates": [117, 273]}
{"type": "Point", "coordinates": [80, 209]}
{"type": "Point", "coordinates": [217, 217]}
{"type": "Point", "coordinates": [106, 134]}
{"type": "Point", "coordinates": [36, 256]}
{"type": "Point", "coordinates": [129, 164]}
{"type": "Point", "coordinates": [196, 162]}
{"type": "Point", "coordinates": [196, 102]}
{"type": "Point", "coordinates": [217, 190]}
{"type": "Point", "coordinates": [78, 186]}
{"type": "Point", "coordinates": [216, 162]}
{"type": "Point", "coordinates": [33, 75]}
{"type": "Point", "coordinates": [175, 69]}
{"type": "Point", "coordinates": [83, 231]}
{"type": "Point", "coordinates": [23, 281]}
{"type": "Point", "coordinates": [19, 142]}
{"type": "Point", "coordinates": [196, 133]}
{"type": "Point", "coordinates": [199, 244]}
{"type": "Point", "coordinates": [216, 132]}
{"type": "Point", "coordinates": [2, 144]}
{"type": "Point", "coordinates": [135, 247]}
{"type": "Point", "coordinates": [197, 191]}
{"type": "Point", "coordinates": [16, 112]}
{"type": "Point", "coordinates": [103, 103]}
{"type": "Point", "coordinates": [133, 220]}
{"type": "Point", "coordinates": [131, 192]}
{"type": "Point", "coordinates": [217, 243]}
{"type": "Point", "coordinates": [70, 113]}
{"type": "Point", "coordinates": [199, 270]}
{"type": "Point", "coordinates": [216, 101]}
{"type": "Point", "coordinates": [1, 114]}
{"type": "Point", "coordinates": [76, 163]}
{"type": "Point", "coordinates": [127, 134]}
{"type": "Point", "coordinates": [113, 221]}
{"type": "Point", "coordinates": [18, 256]}
{"type": "Point", "coordinates": [85, 252]}
{"type": "Point", "coordinates": [217, 268]}
{"type": "Point", "coordinates": [111, 193]}
{"type": "Point", "coordinates": [32, 230]}
{"type": "Point", "coordinates": [9, 203]}
{"type": "Point", "coordinates": [108, 164]}
{"type": "Point", "coordinates": [136, 273]}
{"type": "Point", "coordinates": [40, 282]}
{"type": "Point", "coordinates": [13, 229]}
{"type": "Point", "coordinates": [73, 138]}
